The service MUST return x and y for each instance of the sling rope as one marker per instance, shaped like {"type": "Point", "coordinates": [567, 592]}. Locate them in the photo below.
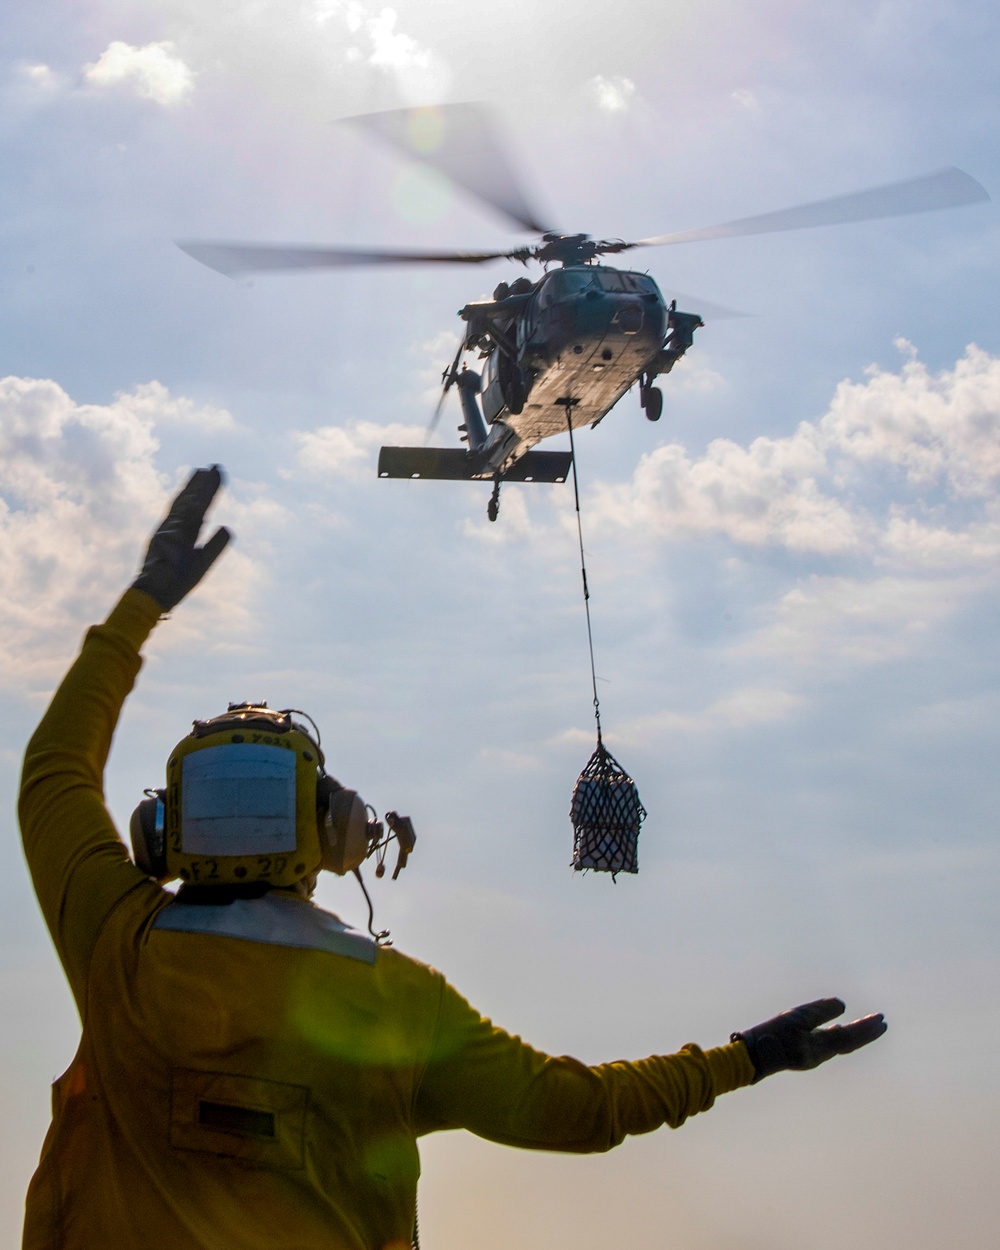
{"type": "Point", "coordinates": [606, 811]}
{"type": "Point", "coordinates": [583, 573]}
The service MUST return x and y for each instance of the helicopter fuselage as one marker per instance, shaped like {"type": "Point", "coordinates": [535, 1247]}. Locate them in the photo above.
{"type": "Point", "coordinates": [557, 352]}
{"type": "Point", "coordinates": [565, 349]}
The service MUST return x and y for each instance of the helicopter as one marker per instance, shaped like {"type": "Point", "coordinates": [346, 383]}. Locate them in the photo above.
{"type": "Point", "coordinates": [559, 352]}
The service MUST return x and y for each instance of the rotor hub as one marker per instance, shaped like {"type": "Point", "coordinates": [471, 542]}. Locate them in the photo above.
{"type": "Point", "coordinates": [566, 249]}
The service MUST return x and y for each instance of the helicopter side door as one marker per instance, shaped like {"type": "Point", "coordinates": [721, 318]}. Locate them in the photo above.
{"type": "Point", "coordinates": [505, 386]}
{"type": "Point", "coordinates": [528, 328]}
{"type": "Point", "coordinates": [492, 396]}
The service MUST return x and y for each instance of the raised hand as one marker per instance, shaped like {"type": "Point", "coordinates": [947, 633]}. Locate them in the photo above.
{"type": "Point", "coordinates": [795, 1040]}
{"type": "Point", "coordinates": [174, 565]}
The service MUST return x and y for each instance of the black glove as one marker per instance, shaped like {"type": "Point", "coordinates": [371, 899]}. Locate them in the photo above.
{"type": "Point", "coordinates": [174, 565]}
{"type": "Point", "coordinates": [794, 1040]}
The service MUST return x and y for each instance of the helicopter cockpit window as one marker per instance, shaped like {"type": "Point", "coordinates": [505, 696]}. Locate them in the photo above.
{"type": "Point", "coordinates": [611, 280]}
{"type": "Point", "coordinates": [641, 283]}
{"type": "Point", "coordinates": [623, 281]}
{"type": "Point", "coordinates": [564, 282]}
{"type": "Point", "coordinates": [574, 280]}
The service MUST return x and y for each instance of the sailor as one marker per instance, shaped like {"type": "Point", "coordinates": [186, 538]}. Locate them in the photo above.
{"type": "Point", "coordinates": [252, 1073]}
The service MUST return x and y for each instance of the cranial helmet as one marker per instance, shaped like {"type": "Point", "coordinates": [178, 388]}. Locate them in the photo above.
{"type": "Point", "coordinates": [248, 801]}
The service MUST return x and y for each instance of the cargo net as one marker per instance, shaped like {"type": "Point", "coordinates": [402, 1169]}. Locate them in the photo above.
{"type": "Point", "coordinates": [606, 815]}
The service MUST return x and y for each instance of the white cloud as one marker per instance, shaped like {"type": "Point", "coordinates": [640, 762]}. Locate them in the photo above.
{"type": "Point", "coordinates": [153, 71]}
{"type": "Point", "coordinates": [40, 76]}
{"type": "Point", "coordinates": [500, 761]}
{"type": "Point", "coordinates": [420, 73]}
{"type": "Point", "coordinates": [824, 488]}
{"type": "Point", "coordinates": [858, 620]}
{"type": "Point", "coordinates": [352, 12]}
{"type": "Point", "coordinates": [34, 86]}
{"type": "Point", "coordinates": [897, 482]}
{"type": "Point", "coordinates": [764, 494]}
{"type": "Point", "coordinates": [349, 450]}
{"type": "Point", "coordinates": [907, 541]}
{"type": "Point", "coordinates": [354, 16]}
{"type": "Point", "coordinates": [79, 491]}
{"type": "Point", "coordinates": [941, 430]}
{"type": "Point", "coordinates": [152, 401]}
{"type": "Point", "coordinates": [322, 11]}
{"type": "Point", "coordinates": [745, 99]}
{"type": "Point", "coordinates": [612, 95]}
{"type": "Point", "coordinates": [746, 707]}
{"type": "Point", "coordinates": [391, 48]}
{"type": "Point", "coordinates": [692, 375]}
{"type": "Point", "coordinates": [753, 705]}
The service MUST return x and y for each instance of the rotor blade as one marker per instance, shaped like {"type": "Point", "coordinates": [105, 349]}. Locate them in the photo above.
{"type": "Point", "coordinates": [449, 380]}
{"type": "Point", "coordinates": [948, 188]}
{"type": "Point", "coordinates": [436, 416]}
{"type": "Point", "coordinates": [461, 141]}
{"type": "Point", "coordinates": [236, 258]}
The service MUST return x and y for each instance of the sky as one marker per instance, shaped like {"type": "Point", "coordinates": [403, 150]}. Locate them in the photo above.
{"type": "Point", "coordinates": [795, 574]}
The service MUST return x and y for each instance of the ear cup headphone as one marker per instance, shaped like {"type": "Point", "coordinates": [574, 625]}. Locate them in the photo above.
{"type": "Point", "coordinates": [345, 833]}
{"type": "Point", "coordinates": [146, 828]}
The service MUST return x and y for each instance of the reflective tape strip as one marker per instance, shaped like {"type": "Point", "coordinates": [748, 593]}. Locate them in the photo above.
{"type": "Point", "coordinates": [273, 920]}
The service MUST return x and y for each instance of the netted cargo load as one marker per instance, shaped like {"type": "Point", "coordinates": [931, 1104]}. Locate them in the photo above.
{"type": "Point", "coordinates": [606, 815]}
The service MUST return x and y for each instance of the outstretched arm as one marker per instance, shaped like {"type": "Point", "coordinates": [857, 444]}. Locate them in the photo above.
{"type": "Point", "coordinates": [482, 1079]}
{"type": "Point", "coordinates": [78, 863]}
{"type": "Point", "coordinates": [493, 1084]}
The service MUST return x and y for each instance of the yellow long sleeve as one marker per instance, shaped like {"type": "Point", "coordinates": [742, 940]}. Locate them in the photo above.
{"type": "Point", "coordinates": [78, 863]}
{"type": "Point", "coordinates": [482, 1079]}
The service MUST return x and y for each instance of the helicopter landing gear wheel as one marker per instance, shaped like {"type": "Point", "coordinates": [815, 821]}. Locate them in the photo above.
{"type": "Point", "coordinates": [652, 403]}
{"type": "Point", "coordinates": [493, 507]}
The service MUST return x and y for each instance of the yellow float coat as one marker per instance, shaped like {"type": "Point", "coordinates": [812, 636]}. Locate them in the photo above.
{"type": "Point", "coordinates": [239, 1094]}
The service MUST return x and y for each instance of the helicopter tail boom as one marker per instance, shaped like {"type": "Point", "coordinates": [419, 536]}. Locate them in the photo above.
{"type": "Point", "coordinates": [451, 464]}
